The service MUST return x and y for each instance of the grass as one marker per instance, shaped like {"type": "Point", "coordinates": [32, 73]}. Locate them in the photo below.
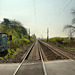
{"type": "Point", "coordinates": [14, 46]}
{"type": "Point", "coordinates": [70, 48]}
{"type": "Point", "coordinates": [62, 42]}
{"type": "Point", "coordinates": [11, 53]}
{"type": "Point", "coordinates": [8, 54]}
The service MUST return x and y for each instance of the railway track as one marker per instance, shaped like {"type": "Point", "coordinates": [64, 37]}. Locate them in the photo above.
{"type": "Point", "coordinates": [68, 51]}
{"type": "Point", "coordinates": [54, 53]}
{"type": "Point", "coordinates": [33, 63]}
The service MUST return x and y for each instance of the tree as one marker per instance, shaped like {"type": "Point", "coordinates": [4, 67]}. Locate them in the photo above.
{"type": "Point", "coordinates": [6, 21]}
{"type": "Point", "coordinates": [34, 36]}
{"type": "Point", "coordinates": [71, 30]}
{"type": "Point", "coordinates": [73, 12]}
{"type": "Point", "coordinates": [12, 26]}
{"type": "Point", "coordinates": [71, 27]}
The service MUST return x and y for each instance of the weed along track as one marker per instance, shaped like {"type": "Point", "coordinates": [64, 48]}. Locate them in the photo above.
{"type": "Point", "coordinates": [32, 64]}
{"type": "Point", "coordinates": [53, 53]}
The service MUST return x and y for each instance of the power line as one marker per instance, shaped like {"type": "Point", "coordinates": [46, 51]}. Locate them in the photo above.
{"type": "Point", "coordinates": [34, 6]}
{"type": "Point", "coordinates": [65, 7]}
{"type": "Point", "coordinates": [64, 2]}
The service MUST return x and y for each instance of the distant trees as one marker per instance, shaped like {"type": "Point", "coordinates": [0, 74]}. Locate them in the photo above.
{"type": "Point", "coordinates": [71, 27]}
{"type": "Point", "coordinates": [34, 36]}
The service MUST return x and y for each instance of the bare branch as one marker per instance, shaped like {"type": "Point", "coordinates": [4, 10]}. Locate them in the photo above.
{"type": "Point", "coordinates": [69, 26]}
{"type": "Point", "coordinates": [73, 21]}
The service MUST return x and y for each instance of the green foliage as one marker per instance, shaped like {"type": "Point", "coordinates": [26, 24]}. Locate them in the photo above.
{"type": "Point", "coordinates": [66, 41]}
{"type": "Point", "coordinates": [56, 40]}
{"type": "Point", "coordinates": [12, 26]}
{"type": "Point", "coordinates": [24, 40]}
{"type": "Point", "coordinates": [34, 36]}
{"type": "Point", "coordinates": [62, 42]}
{"type": "Point", "coordinates": [19, 36]}
{"type": "Point", "coordinates": [45, 40]}
{"type": "Point", "coordinates": [32, 39]}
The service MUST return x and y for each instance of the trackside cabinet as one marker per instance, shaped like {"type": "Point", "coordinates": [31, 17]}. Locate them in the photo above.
{"type": "Point", "coordinates": [3, 42]}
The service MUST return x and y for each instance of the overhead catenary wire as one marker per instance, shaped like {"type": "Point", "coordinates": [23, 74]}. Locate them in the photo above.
{"type": "Point", "coordinates": [35, 17]}
{"type": "Point", "coordinates": [64, 1]}
{"type": "Point", "coordinates": [65, 7]}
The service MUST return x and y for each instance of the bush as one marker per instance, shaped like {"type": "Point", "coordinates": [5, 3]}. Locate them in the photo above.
{"type": "Point", "coordinates": [66, 41]}
{"type": "Point", "coordinates": [24, 40]}
{"type": "Point", "coordinates": [56, 40]}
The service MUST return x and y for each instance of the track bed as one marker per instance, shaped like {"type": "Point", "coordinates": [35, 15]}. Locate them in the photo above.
{"type": "Point", "coordinates": [32, 65]}
{"type": "Point", "coordinates": [34, 55]}
{"type": "Point", "coordinates": [54, 53]}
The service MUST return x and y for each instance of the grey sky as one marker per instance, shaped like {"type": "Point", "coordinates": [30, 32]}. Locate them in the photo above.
{"type": "Point", "coordinates": [49, 14]}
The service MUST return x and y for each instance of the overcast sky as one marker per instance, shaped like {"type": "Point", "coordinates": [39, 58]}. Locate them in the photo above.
{"type": "Point", "coordinates": [38, 15]}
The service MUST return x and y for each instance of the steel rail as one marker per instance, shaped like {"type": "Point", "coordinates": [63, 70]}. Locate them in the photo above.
{"type": "Point", "coordinates": [42, 60]}
{"type": "Point", "coordinates": [47, 45]}
{"type": "Point", "coordinates": [24, 59]}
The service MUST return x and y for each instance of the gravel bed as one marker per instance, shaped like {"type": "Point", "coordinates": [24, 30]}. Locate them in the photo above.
{"type": "Point", "coordinates": [50, 54]}
{"type": "Point", "coordinates": [34, 55]}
